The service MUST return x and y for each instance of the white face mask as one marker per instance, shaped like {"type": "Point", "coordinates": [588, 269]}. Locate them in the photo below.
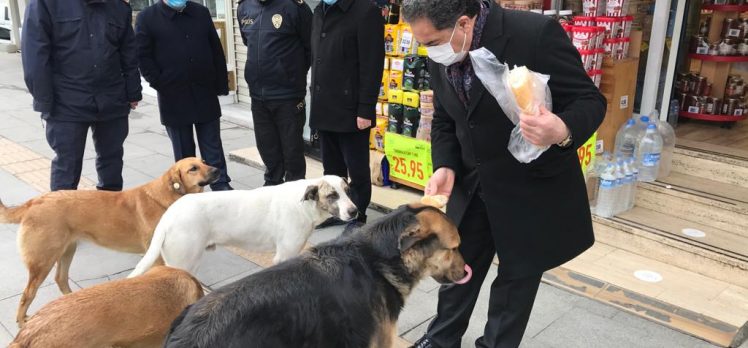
{"type": "Point", "coordinates": [444, 54]}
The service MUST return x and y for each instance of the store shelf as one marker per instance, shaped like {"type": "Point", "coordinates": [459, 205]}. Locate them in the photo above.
{"type": "Point", "coordinates": [723, 59]}
{"type": "Point", "coordinates": [713, 118]}
{"type": "Point", "coordinates": [726, 8]}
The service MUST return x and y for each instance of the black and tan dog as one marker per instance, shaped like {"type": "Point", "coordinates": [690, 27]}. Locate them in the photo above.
{"type": "Point", "coordinates": [345, 293]}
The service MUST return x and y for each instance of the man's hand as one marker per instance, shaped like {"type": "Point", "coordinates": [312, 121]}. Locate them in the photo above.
{"type": "Point", "coordinates": [543, 129]}
{"type": "Point", "coordinates": [363, 123]}
{"type": "Point", "coordinates": [133, 105]}
{"type": "Point", "coordinates": [441, 183]}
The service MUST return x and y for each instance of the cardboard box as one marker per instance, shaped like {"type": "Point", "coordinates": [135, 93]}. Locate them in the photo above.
{"type": "Point", "coordinates": [618, 85]}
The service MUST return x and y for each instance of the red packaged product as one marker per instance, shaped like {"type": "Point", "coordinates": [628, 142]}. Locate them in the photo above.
{"type": "Point", "coordinates": [588, 59]}
{"type": "Point", "coordinates": [626, 23]}
{"type": "Point", "coordinates": [599, 54]}
{"type": "Point", "coordinates": [625, 43]}
{"type": "Point", "coordinates": [584, 38]}
{"type": "Point", "coordinates": [616, 8]}
{"type": "Point", "coordinates": [612, 26]}
{"type": "Point", "coordinates": [583, 21]}
{"type": "Point", "coordinates": [609, 46]}
{"type": "Point", "coordinates": [593, 8]}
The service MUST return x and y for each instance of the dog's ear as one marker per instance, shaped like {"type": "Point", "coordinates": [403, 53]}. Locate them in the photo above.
{"type": "Point", "coordinates": [176, 181]}
{"type": "Point", "coordinates": [410, 237]}
{"type": "Point", "coordinates": [311, 194]}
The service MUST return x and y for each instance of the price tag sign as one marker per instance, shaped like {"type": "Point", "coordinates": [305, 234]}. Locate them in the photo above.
{"type": "Point", "coordinates": [587, 153]}
{"type": "Point", "coordinates": [410, 159]}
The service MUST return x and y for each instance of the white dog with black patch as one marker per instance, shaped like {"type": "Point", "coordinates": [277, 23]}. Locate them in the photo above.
{"type": "Point", "coordinates": [274, 218]}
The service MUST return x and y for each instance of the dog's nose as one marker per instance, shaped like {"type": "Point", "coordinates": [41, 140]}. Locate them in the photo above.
{"type": "Point", "coordinates": [353, 212]}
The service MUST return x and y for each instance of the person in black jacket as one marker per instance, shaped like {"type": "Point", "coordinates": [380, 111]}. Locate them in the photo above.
{"type": "Point", "coordinates": [533, 216]}
{"type": "Point", "coordinates": [347, 63]}
{"type": "Point", "coordinates": [181, 56]}
{"type": "Point", "coordinates": [80, 66]}
{"type": "Point", "coordinates": [277, 36]}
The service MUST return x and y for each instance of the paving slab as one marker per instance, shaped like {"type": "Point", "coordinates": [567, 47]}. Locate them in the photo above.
{"type": "Point", "coordinates": [9, 305]}
{"type": "Point", "coordinates": [219, 265]}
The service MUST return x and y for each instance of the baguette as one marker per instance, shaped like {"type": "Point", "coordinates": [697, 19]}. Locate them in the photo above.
{"type": "Point", "coordinates": [522, 84]}
{"type": "Point", "coordinates": [436, 201]}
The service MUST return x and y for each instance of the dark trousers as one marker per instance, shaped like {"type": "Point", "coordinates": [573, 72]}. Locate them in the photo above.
{"type": "Point", "coordinates": [510, 301]}
{"type": "Point", "coordinates": [68, 140]}
{"type": "Point", "coordinates": [279, 131]}
{"type": "Point", "coordinates": [347, 155]}
{"type": "Point", "coordinates": [209, 140]}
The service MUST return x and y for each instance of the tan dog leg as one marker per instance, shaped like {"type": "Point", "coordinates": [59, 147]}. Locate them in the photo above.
{"type": "Point", "coordinates": [63, 268]}
{"type": "Point", "coordinates": [36, 277]}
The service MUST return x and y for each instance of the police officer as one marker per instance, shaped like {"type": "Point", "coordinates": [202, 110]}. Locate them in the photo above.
{"type": "Point", "coordinates": [182, 58]}
{"type": "Point", "coordinates": [80, 66]}
{"type": "Point", "coordinates": [347, 58]}
{"type": "Point", "coordinates": [277, 36]}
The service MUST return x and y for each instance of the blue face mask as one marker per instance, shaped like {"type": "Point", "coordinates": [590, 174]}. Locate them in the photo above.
{"type": "Point", "coordinates": [176, 4]}
{"type": "Point", "coordinates": [329, 2]}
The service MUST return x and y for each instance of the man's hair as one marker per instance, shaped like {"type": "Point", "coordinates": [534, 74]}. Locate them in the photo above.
{"type": "Point", "coordinates": [443, 14]}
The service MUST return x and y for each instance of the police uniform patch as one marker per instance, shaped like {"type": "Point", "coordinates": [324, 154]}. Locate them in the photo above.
{"type": "Point", "coordinates": [247, 21]}
{"type": "Point", "coordinates": [277, 20]}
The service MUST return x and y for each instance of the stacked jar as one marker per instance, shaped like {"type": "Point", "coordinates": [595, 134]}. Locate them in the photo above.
{"type": "Point", "coordinates": [733, 38]}
{"type": "Point", "coordinates": [695, 95]}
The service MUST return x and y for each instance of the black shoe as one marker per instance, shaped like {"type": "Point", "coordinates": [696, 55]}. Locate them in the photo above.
{"type": "Point", "coordinates": [221, 187]}
{"type": "Point", "coordinates": [422, 343]}
{"type": "Point", "coordinates": [333, 221]}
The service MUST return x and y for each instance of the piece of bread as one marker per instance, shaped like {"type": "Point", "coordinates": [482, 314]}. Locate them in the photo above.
{"type": "Point", "coordinates": [436, 201]}
{"type": "Point", "coordinates": [521, 82]}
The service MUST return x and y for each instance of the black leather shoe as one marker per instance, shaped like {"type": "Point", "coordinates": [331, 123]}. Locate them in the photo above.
{"type": "Point", "coordinates": [221, 187]}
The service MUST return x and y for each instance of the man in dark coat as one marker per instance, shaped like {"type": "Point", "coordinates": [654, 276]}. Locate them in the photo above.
{"type": "Point", "coordinates": [347, 63]}
{"type": "Point", "coordinates": [80, 66]}
{"type": "Point", "coordinates": [277, 36]}
{"type": "Point", "coordinates": [534, 216]}
{"type": "Point", "coordinates": [181, 56]}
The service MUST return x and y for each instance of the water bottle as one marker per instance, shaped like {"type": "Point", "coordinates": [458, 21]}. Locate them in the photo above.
{"type": "Point", "coordinates": [626, 139]}
{"type": "Point", "coordinates": [606, 195]}
{"type": "Point", "coordinates": [628, 186]}
{"type": "Point", "coordinates": [634, 179]}
{"type": "Point", "coordinates": [668, 146]}
{"type": "Point", "coordinates": [648, 154]}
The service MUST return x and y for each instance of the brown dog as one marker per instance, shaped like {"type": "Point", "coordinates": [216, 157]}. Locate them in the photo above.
{"type": "Point", "coordinates": [134, 312]}
{"type": "Point", "coordinates": [52, 223]}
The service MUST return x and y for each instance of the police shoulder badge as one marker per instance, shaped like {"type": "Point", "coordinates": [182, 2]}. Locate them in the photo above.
{"type": "Point", "coordinates": [277, 21]}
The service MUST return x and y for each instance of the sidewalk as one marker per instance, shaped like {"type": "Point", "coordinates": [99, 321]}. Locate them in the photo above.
{"type": "Point", "coordinates": [559, 319]}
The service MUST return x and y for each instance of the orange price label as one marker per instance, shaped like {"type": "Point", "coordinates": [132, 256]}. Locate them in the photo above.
{"type": "Point", "coordinates": [586, 153]}
{"type": "Point", "coordinates": [410, 159]}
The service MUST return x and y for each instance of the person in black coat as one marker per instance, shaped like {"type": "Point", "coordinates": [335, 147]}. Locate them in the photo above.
{"type": "Point", "coordinates": [277, 36]}
{"type": "Point", "coordinates": [533, 216]}
{"type": "Point", "coordinates": [80, 66]}
{"type": "Point", "coordinates": [181, 56]}
{"type": "Point", "coordinates": [347, 63]}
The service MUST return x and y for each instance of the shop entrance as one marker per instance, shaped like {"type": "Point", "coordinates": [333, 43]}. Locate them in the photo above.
{"type": "Point", "coordinates": [710, 85]}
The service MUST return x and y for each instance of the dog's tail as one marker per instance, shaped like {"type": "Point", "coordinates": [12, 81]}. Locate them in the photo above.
{"type": "Point", "coordinates": [12, 215]}
{"type": "Point", "coordinates": [153, 252]}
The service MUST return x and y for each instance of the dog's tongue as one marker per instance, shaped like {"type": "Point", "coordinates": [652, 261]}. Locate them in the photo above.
{"type": "Point", "coordinates": [467, 277]}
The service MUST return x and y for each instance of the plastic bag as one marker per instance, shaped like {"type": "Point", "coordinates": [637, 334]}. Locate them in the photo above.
{"type": "Point", "coordinates": [495, 77]}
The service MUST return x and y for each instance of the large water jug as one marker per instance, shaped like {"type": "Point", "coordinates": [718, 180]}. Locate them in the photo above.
{"type": "Point", "coordinates": [668, 146]}
{"type": "Point", "coordinates": [648, 154]}
{"type": "Point", "coordinates": [626, 139]}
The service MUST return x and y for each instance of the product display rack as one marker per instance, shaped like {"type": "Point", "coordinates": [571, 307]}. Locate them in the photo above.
{"type": "Point", "coordinates": [716, 68]}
